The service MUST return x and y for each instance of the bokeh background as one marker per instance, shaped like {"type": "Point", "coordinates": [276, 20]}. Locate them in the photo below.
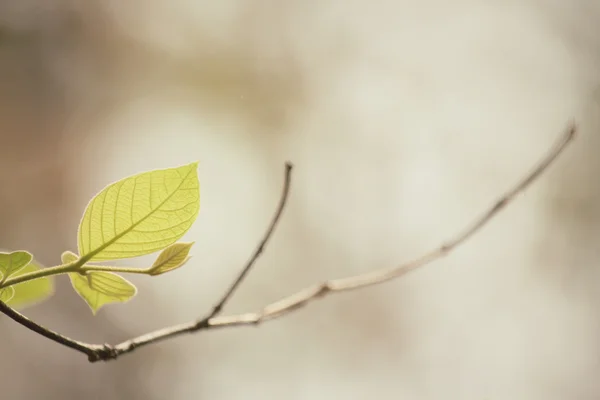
{"type": "Point", "coordinates": [405, 119]}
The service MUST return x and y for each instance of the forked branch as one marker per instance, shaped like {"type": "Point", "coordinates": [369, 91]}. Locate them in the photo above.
{"type": "Point", "coordinates": [288, 304]}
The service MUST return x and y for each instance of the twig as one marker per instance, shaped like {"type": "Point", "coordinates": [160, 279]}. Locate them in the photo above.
{"type": "Point", "coordinates": [288, 304]}
{"type": "Point", "coordinates": [90, 349]}
{"type": "Point", "coordinates": [107, 352]}
{"type": "Point", "coordinates": [261, 246]}
{"type": "Point", "coordinates": [301, 298]}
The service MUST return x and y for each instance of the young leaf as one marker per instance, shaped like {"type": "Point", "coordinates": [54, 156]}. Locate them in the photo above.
{"type": "Point", "coordinates": [6, 294]}
{"type": "Point", "coordinates": [11, 263]}
{"type": "Point", "coordinates": [140, 214]}
{"type": "Point", "coordinates": [99, 288]}
{"type": "Point", "coordinates": [171, 258]}
{"type": "Point", "coordinates": [31, 292]}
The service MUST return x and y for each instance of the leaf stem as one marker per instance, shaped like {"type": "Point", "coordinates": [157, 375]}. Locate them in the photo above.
{"type": "Point", "coordinates": [68, 268]}
{"type": "Point", "coordinates": [107, 268]}
{"type": "Point", "coordinates": [42, 273]}
{"type": "Point", "coordinates": [75, 266]}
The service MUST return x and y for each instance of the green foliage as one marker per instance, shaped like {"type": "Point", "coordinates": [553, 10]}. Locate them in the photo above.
{"type": "Point", "coordinates": [11, 263]}
{"type": "Point", "coordinates": [31, 292]}
{"type": "Point", "coordinates": [99, 288]}
{"type": "Point", "coordinates": [171, 258]}
{"type": "Point", "coordinates": [140, 215]}
{"type": "Point", "coordinates": [24, 294]}
{"type": "Point", "coordinates": [136, 216]}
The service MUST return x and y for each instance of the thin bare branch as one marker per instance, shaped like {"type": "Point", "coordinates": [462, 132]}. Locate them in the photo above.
{"type": "Point", "coordinates": [89, 349]}
{"type": "Point", "coordinates": [261, 246]}
{"type": "Point", "coordinates": [301, 298]}
{"type": "Point", "coordinates": [288, 304]}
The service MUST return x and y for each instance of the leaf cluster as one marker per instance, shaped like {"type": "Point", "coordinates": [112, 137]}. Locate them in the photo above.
{"type": "Point", "coordinates": [136, 216]}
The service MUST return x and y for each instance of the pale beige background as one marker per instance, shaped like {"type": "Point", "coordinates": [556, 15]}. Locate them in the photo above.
{"type": "Point", "coordinates": [404, 120]}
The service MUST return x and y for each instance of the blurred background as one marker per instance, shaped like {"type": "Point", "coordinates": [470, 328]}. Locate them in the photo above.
{"type": "Point", "coordinates": [405, 119]}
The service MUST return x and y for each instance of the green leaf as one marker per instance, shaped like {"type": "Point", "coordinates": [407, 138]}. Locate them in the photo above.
{"type": "Point", "coordinates": [28, 293]}
{"type": "Point", "coordinates": [11, 263]}
{"type": "Point", "coordinates": [141, 214]}
{"type": "Point", "coordinates": [6, 294]}
{"type": "Point", "coordinates": [174, 256]}
{"type": "Point", "coordinates": [31, 292]}
{"type": "Point", "coordinates": [99, 288]}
